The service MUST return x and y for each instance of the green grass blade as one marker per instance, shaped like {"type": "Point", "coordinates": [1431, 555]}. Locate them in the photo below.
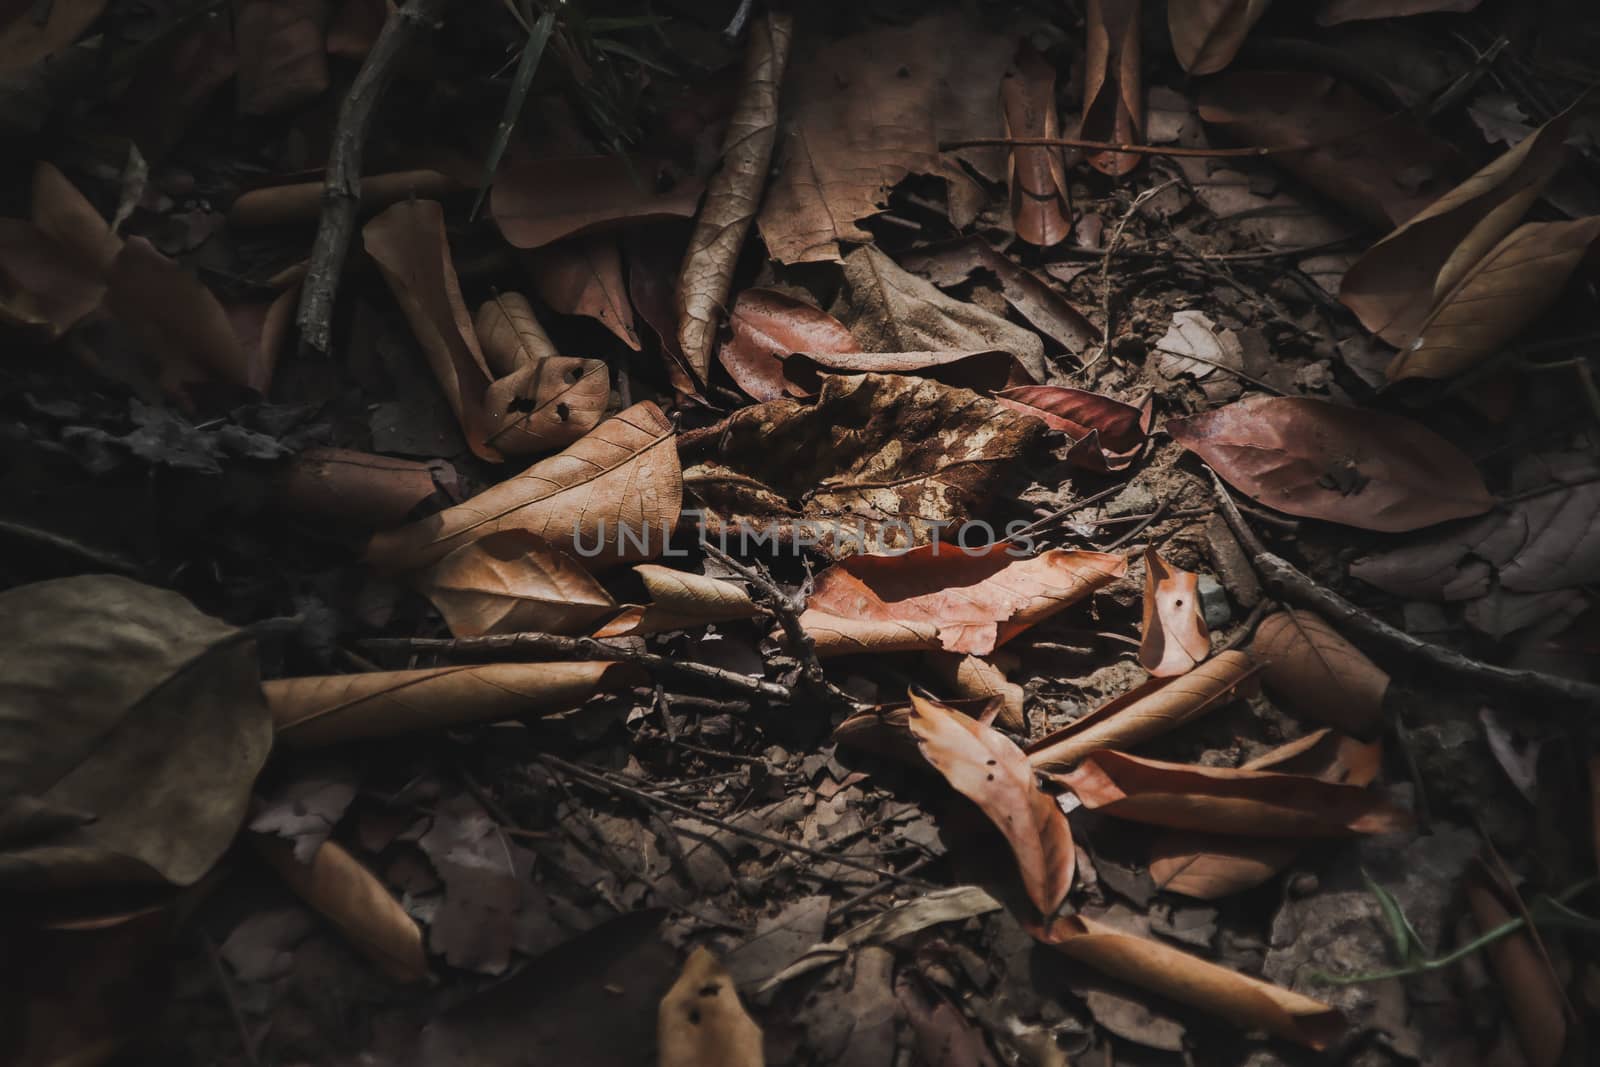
{"type": "Point", "coordinates": [532, 52]}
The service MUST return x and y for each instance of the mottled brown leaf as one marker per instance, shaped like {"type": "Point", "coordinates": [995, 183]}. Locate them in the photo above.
{"type": "Point", "coordinates": [1316, 673]}
{"type": "Point", "coordinates": [1175, 637]}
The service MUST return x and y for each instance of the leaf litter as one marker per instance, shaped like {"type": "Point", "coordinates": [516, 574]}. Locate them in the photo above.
{"type": "Point", "coordinates": [797, 411]}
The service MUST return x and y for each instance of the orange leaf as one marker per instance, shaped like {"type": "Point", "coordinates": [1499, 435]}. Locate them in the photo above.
{"type": "Point", "coordinates": [1040, 203]}
{"type": "Point", "coordinates": [1113, 92]}
{"type": "Point", "coordinates": [1175, 634]}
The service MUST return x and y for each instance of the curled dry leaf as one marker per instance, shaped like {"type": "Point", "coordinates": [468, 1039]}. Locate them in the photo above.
{"type": "Point", "coordinates": [1245, 1002]}
{"type": "Point", "coordinates": [1175, 637]}
{"type": "Point", "coordinates": [734, 192]}
{"type": "Point", "coordinates": [583, 276]}
{"type": "Point", "coordinates": [285, 205]}
{"type": "Point", "coordinates": [1333, 12]}
{"type": "Point", "coordinates": [1113, 90]}
{"type": "Point", "coordinates": [283, 60]}
{"type": "Point", "coordinates": [1384, 167]}
{"type": "Point", "coordinates": [1160, 705]}
{"type": "Point", "coordinates": [1228, 800]}
{"type": "Point", "coordinates": [1533, 994]}
{"type": "Point", "coordinates": [325, 710]}
{"type": "Point", "coordinates": [131, 731]}
{"type": "Point", "coordinates": [612, 496]}
{"type": "Point", "coordinates": [1363, 468]}
{"type": "Point", "coordinates": [543, 200]}
{"type": "Point", "coordinates": [678, 601]}
{"type": "Point", "coordinates": [979, 678]}
{"type": "Point", "coordinates": [513, 581]}
{"type": "Point", "coordinates": [987, 768]}
{"type": "Point", "coordinates": [1041, 203]}
{"type": "Point", "coordinates": [653, 254]}
{"type": "Point", "coordinates": [1107, 435]}
{"type": "Point", "coordinates": [701, 1022]}
{"type": "Point", "coordinates": [540, 400]}
{"type": "Point", "coordinates": [340, 888]}
{"type": "Point", "coordinates": [363, 489]}
{"type": "Point", "coordinates": [967, 601]}
{"type": "Point", "coordinates": [765, 327]}
{"type": "Point", "coordinates": [1397, 282]}
{"type": "Point", "coordinates": [1206, 34]}
{"type": "Point", "coordinates": [1515, 283]}
{"type": "Point", "coordinates": [510, 334]}
{"type": "Point", "coordinates": [1317, 673]}
{"type": "Point", "coordinates": [863, 112]}
{"type": "Point", "coordinates": [262, 328]}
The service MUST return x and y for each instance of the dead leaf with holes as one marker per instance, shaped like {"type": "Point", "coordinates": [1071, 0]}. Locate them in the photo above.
{"type": "Point", "coordinates": [701, 1022]}
{"type": "Point", "coordinates": [1316, 673]}
{"type": "Point", "coordinates": [1113, 92]}
{"type": "Point", "coordinates": [513, 581]}
{"type": "Point", "coordinates": [1321, 460]}
{"type": "Point", "coordinates": [988, 769]}
{"type": "Point", "coordinates": [679, 600]}
{"type": "Point", "coordinates": [1174, 634]}
{"type": "Point", "coordinates": [1041, 201]}
{"type": "Point", "coordinates": [943, 597]}
{"type": "Point", "coordinates": [583, 276]}
{"type": "Point", "coordinates": [540, 400]}
{"type": "Point", "coordinates": [1152, 709]}
{"type": "Point", "coordinates": [1206, 34]}
{"type": "Point", "coordinates": [612, 497]}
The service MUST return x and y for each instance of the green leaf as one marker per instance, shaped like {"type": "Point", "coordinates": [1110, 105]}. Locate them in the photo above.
{"type": "Point", "coordinates": [532, 52]}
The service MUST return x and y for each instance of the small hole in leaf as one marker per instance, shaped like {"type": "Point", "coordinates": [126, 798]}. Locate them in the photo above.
{"type": "Point", "coordinates": [1177, 603]}
{"type": "Point", "coordinates": [694, 1016]}
{"type": "Point", "coordinates": [710, 990]}
{"type": "Point", "coordinates": [522, 403]}
{"type": "Point", "coordinates": [576, 373]}
{"type": "Point", "coordinates": [991, 776]}
{"type": "Point", "coordinates": [563, 412]}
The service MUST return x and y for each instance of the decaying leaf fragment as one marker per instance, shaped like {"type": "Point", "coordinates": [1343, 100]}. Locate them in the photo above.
{"type": "Point", "coordinates": [1317, 673]}
{"type": "Point", "coordinates": [1041, 204]}
{"type": "Point", "coordinates": [513, 581]}
{"type": "Point", "coordinates": [701, 1022]}
{"type": "Point", "coordinates": [1322, 460]}
{"type": "Point", "coordinates": [733, 193]}
{"type": "Point", "coordinates": [1113, 88]}
{"type": "Point", "coordinates": [1206, 34]}
{"type": "Point", "coordinates": [1175, 637]}
{"type": "Point", "coordinates": [961, 601]}
{"type": "Point", "coordinates": [987, 768]}
{"type": "Point", "coordinates": [980, 678]}
{"type": "Point", "coordinates": [540, 400]}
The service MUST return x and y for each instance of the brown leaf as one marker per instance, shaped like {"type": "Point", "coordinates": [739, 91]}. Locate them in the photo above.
{"type": "Point", "coordinates": [765, 327]}
{"type": "Point", "coordinates": [987, 768]}
{"type": "Point", "coordinates": [1107, 435]}
{"type": "Point", "coordinates": [1333, 12]}
{"type": "Point", "coordinates": [1384, 167]}
{"type": "Point", "coordinates": [340, 889]}
{"type": "Point", "coordinates": [1152, 709]}
{"type": "Point", "coordinates": [863, 112]}
{"type": "Point", "coordinates": [1533, 994]}
{"type": "Point", "coordinates": [1397, 282]}
{"type": "Point", "coordinates": [44, 288]}
{"type": "Point", "coordinates": [1041, 202]}
{"type": "Point", "coordinates": [540, 201]}
{"type": "Point", "coordinates": [701, 1022]}
{"type": "Point", "coordinates": [653, 258]}
{"type": "Point", "coordinates": [941, 1035]}
{"type": "Point", "coordinates": [409, 245]}
{"type": "Point", "coordinates": [1318, 674]}
{"type": "Point", "coordinates": [512, 581]}
{"type": "Point", "coordinates": [623, 478]}
{"type": "Point", "coordinates": [893, 310]}
{"type": "Point", "coordinates": [978, 678]}
{"type": "Point", "coordinates": [583, 276]}
{"type": "Point", "coordinates": [982, 371]}
{"type": "Point", "coordinates": [360, 488]}
{"type": "Point", "coordinates": [1113, 93]}
{"type": "Point", "coordinates": [1175, 637]}
{"type": "Point", "coordinates": [678, 601]}
{"type": "Point", "coordinates": [262, 328]}
{"type": "Point", "coordinates": [1515, 283]}
{"type": "Point", "coordinates": [175, 318]}
{"type": "Point", "coordinates": [1363, 468]}
{"type": "Point", "coordinates": [876, 460]}
{"type": "Point", "coordinates": [283, 60]}
{"type": "Point", "coordinates": [1228, 800]}
{"type": "Point", "coordinates": [355, 26]}
{"type": "Point", "coordinates": [510, 335]}
{"type": "Point", "coordinates": [67, 217]}
{"type": "Point", "coordinates": [543, 401]}
{"type": "Point", "coordinates": [285, 205]}
{"type": "Point", "coordinates": [733, 193]}
{"type": "Point", "coordinates": [973, 601]}
{"type": "Point", "coordinates": [1206, 34]}
{"type": "Point", "coordinates": [329, 709]}
{"type": "Point", "coordinates": [29, 34]}
{"type": "Point", "coordinates": [1245, 1002]}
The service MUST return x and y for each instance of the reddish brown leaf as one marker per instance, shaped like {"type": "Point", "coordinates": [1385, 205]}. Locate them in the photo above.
{"type": "Point", "coordinates": [987, 768]}
{"type": "Point", "coordinates": [653, 257]}
{"type": "Point", "coordinates": [1322, 460]}
{"type": "Point", "coordinates": [1113, 92]}
{"type": "Point", "coordinates": [1175, 637]}
{"type": "Point", "coordinates": [583, 276]}
{"type": "Point", "coordinates": [537, 202]}
{"type": "Point", "coordinates": [1228, 800]}
{"type": "Point", "coordinates": [283, 60]}
{"type": "Point", "coordinates": [963, 602]}
{"type": "Point", "coordinates": [1041, 204]}
{"type": "Point", "coordinates": [262, 327]}
{"type": "Point", "coordinates": [1533, 994]}
{"type": "Point", "coordinates": [1206, 34]}
{"type": "Point", "coordinates": [44, 288]}
{"type": "Point", "coordinates": [1316, 673]}
{"type": "Point", "coordinates": [282, 205]}
{"type": "Point", "coordinates": [766, 326]}
{"type": "Point", "coordinates": [337, 485]}
{"type": "Point", "coordinates": [1107, 435]}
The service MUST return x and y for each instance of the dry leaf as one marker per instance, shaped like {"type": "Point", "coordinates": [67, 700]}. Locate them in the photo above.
{"type": "Point", "coordinates": [409, 245]}
{"type": "Point", "coordinates": [734, 192]}
{"type": "Point", "coordinates": [1333, 12]}
{"type": "Point", "coordinates": [286, 205]}
{"type": "Point", "coordinates": [1113, 93]}
{"type": "Point", "coordinates": [513, 581]}
{"type": "Point", "coordinates": [765, 327]}
{"type": "Point", "coordinates": [1041, 201]}
{"type": "Point", "coordinates": [67, 217]}
{"type": "Point", "coordinates": [1245, 1002]}
{"type": "Point", "coordinates": [654, 254]}
{"type": "Point", "coordinates": [1107, 435]}
{"type": "Point", "coordinates": [612, 496]}
{"type": "Point", "coordinates": [1175, 637]}
{"type": "Point", "coordinates": [1206, 34]}
{"type": "Point", "coordinates": [325, 710]}
{"type": "Point", "coordinates": [360, 488]}
{"type": "Point", "coordinates": [679, 601]}
{"type": "Point", "coordinates": [44, 288]}
{"type": "Point", "coordinates": [540, 201]}
{"type": "Point", "coordinates": [175, 318]}
{"type": "Point", "coordinates": [262, 329]}
{"type": "Point", "coordinates": [1228, 800]}
{"type": "Point", "coordinates": [1314, 672]}
{"type": "Point", "coordinates": [1515, 283]}
{"type": "Point", "coordinates": [701, 1022]}
{"type": "Point", "coordinates": [283, 59]}
{"type": "Point", "coordinates": [340, 889]}
{"type": "Point", "coordinates": [1152, 709]}
{"type": "Point", "coordinates": [1193, 345]}
{"type": "Point", "coordinates": [973, 601]}
{"type": "Point", "coordinates": [977, 678]}
{"type": "Point", "coordinates": [583, 276]}
{"type": "Point", "coordinates": [981, 371]}
{"type": "Point", "coordinates": [30, 33]}
{"type": "Point", "coordinates": [547, 404]}
{"type": "Point", "coordinates": [987, 768]}
{"type": "Point", "coordinates": [510, 334]}
{"type": "Point", "coordinates": [863, 112]}
{"type": "Point", "coordinates": [1533, 994]}
{"type": "Point", "coordinates": [1363, 468]}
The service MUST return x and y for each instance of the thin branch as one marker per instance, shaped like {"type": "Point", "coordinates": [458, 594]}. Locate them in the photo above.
{"type": "Point", "coordinates": [1109, 328]}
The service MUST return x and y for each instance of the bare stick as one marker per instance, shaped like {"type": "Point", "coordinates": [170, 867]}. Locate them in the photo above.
{"type": "Point", "coordinates": [1296, 588]}
{"type": "Point", "coordinates": [341, 190]}
{"type": "Point", "coordinates": [1105, 268]}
